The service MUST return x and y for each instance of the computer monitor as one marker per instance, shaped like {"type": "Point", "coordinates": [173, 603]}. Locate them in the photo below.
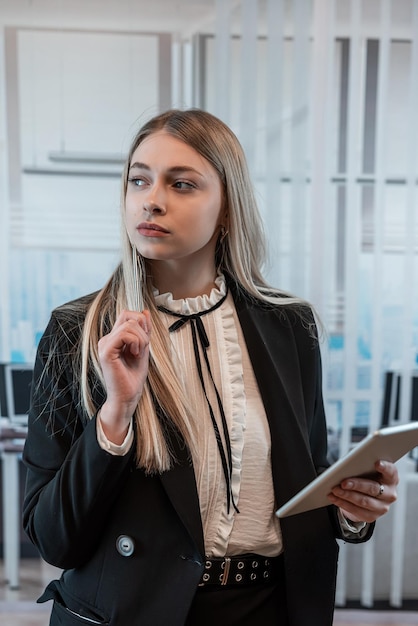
{"type": "Point", "coordinates": [390, 409]}
{"type": "Point", "coordinates": [414, 399]}
{"type": "Point", "coordinates": [15, 391]}
{"type": "Point", "coordinates": [392, 398]}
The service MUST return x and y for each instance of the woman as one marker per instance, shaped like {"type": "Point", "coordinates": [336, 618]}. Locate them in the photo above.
{"type": "Point", "coordinates": [176, 409]}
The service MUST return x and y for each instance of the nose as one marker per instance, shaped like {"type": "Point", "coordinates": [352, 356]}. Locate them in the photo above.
{"type": "Point", "coordinates": [155, 201]}
{"type": "Point", "coordinates": [151, 206]}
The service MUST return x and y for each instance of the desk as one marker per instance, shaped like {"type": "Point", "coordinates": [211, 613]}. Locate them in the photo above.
{"type": "Point", "coordinates": [11, 446]}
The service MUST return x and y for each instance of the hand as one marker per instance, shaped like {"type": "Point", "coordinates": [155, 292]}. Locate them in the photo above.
{"type": "Point", "coordinates": [364, 499]}
{"type": "Point", "coordinates": [124, 358]}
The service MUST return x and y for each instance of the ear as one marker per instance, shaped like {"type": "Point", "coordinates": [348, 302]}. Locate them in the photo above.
{"type": "Point", "coordinates": [224, 216]}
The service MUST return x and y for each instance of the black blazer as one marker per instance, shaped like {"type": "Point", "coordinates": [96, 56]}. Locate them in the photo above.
{"type": "Point", "coordinates": [131, 545]}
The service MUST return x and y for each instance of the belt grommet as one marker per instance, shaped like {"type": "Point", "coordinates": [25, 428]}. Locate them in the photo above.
{"type": "Point", "coordinates": [238, 578]}
{"type": "Point", "coordinates": [205, 577]}
{"type": "Point", "coordinates": [253, 576]}
{"type": "Point", "coordinates": [240, 565]}
{"type": "Point", "coordinates": [255, 564]}
{"type": "Point", "coordinates": [266, 574]}
{"type": "Point", "coordinates": [208, 565]}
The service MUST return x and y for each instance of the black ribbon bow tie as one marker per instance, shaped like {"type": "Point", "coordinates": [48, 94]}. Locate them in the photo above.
{"type": "Point", "coordinates": [199, 333]}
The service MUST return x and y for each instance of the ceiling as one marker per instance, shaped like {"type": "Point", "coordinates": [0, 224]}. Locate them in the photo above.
{"type": "Point", "coordinates": [181, 17]}
{"type": "Point", "coordinates": [178, 16]}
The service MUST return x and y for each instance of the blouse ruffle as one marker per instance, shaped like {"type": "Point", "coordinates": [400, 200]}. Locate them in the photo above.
{"type": "Point", "coordinates": [226, 365]}
{"type": "Point", "coordinates": [255, 528]}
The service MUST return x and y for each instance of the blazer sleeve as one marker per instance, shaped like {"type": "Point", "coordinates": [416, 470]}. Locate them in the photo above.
{"type": "Point", "coordinates": [71, 483]}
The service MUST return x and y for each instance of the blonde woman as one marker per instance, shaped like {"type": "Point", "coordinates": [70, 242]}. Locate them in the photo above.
{"type": "Point", "coordinates": [177, 408]}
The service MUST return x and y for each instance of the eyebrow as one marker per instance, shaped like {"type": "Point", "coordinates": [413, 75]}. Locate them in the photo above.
{"type": "Point", "coordinates": [176, 169]}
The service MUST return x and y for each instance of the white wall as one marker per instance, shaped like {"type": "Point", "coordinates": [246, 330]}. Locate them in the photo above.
{"type": "Point", "coordinates": [74, 102]}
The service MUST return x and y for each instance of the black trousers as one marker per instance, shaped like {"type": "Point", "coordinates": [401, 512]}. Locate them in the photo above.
{"type": "Point", "coordinates": [250, 605]}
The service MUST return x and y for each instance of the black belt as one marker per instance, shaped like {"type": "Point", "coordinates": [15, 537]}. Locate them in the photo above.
{"type": "Point", "coordinates": [245, 569]}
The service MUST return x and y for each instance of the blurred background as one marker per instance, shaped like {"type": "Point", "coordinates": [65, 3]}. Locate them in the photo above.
{"type": "Point", "coordinates": [323, 95]}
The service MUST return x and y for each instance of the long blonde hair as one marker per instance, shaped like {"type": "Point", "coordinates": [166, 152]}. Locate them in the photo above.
{"type": "Point", "coordinates": [240, 255]}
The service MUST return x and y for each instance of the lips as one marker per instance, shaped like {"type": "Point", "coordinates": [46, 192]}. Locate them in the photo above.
{"type": "Point", "coordinates": [149, 229]}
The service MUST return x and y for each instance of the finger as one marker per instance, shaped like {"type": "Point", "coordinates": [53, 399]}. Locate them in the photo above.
{"type": "Point", "coordinates": [357, 488]}
{"type": "Point", "coordinates": [140, 345]}
{"type": "Point", "coordinates": [138, 348]}
{"type": "Point", "coordinates": [362, 486]}
{"type": "Point", "coordinates": [135, 339]}
{"type": "Point", "coordinates": [142, 319]}
{"type": "Point", "coordinates": [130, 338]}
{"type": "Point", "coordinates": [388, 471]}
{"type": "Point", "coordinates": [369, 495]}
{"type": "Point", "coordinates": [360, 507]}
{"type": "Point", "coordinates": [133, 322]}
{"type": "Point", "coordinates": [387, 475]}
{"type": "Point", "coordinates": [147, 316]}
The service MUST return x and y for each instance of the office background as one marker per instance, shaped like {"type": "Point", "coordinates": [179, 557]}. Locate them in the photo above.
{"type": "Point", "coordinates": [323, 95]}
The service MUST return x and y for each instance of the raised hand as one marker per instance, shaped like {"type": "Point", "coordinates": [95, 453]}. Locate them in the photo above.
{"type": "Point", "coordinates": [124, 358]}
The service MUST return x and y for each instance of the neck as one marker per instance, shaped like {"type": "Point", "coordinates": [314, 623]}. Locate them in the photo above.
{"type": "Point", "coordinates": [183, 282]}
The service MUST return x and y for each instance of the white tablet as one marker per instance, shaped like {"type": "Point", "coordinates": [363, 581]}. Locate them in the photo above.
{"type": "Point", "coordinates": [387, 444]}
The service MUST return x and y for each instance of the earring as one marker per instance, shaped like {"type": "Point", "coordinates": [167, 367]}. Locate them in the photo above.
{"type": "Point", "coordinates": [224, 233]}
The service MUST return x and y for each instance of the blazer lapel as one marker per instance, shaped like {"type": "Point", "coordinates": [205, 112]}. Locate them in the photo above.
{"type": "Point", "coordinates": [275, 360]}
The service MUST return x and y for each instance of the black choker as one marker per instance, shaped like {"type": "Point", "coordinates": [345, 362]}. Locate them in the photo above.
{"type": "Point", "coordinates": [198, 331]}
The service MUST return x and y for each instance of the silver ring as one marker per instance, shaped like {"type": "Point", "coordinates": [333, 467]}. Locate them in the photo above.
{"type": "Point", "coordinates": [381, 490]}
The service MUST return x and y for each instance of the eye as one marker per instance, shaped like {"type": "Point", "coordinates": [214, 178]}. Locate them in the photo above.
{"type": "Point", "coordinates": [184, 185]}
{"type": "Point", "coordinates": [137, 181]}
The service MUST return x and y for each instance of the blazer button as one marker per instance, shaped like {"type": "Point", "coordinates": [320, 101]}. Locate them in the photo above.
{"type": "Point", "coordinates": [125, 545]}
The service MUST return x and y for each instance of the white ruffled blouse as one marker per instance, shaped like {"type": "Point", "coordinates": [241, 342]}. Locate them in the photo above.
{"type": "Point", "coordinates": [255, 528]}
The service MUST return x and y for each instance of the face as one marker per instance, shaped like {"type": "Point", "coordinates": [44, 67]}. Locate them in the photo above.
{"type": "Point", "coordinates": [173, 202]}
